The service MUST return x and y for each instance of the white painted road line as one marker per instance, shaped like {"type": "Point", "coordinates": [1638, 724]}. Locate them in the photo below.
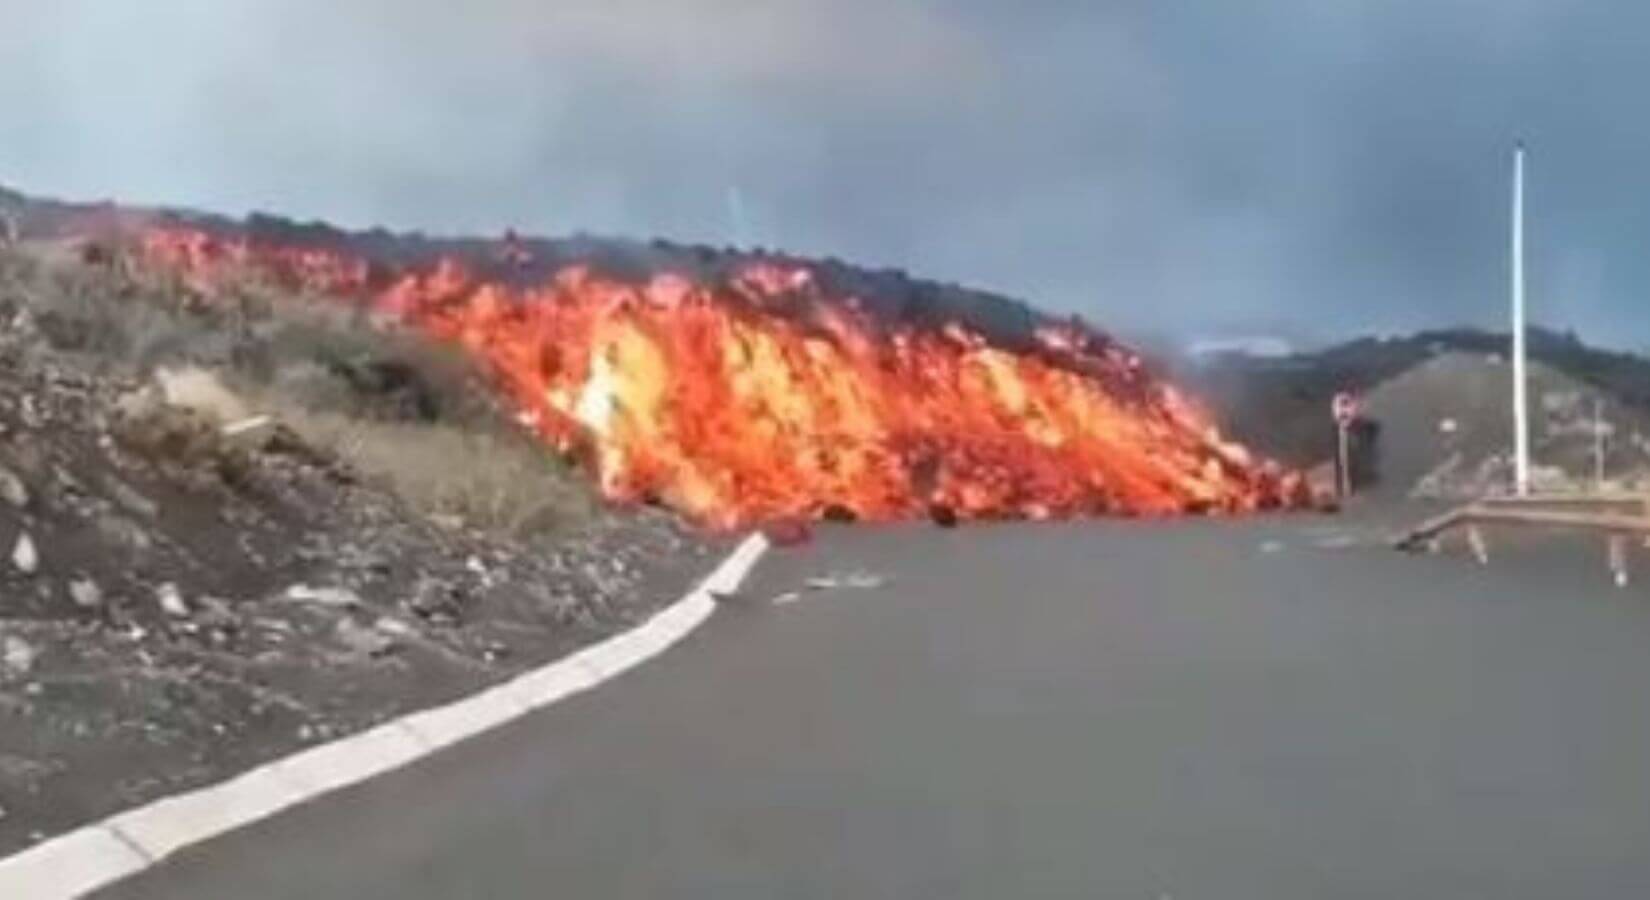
{"type": "Point", "coordinates": [126, 843]}
{"type": "Point", "coordinates": [70, 865]}
{"type": "Point", "coordinates": [551, 684]}
{"type": "Point", "coordinates": [355, 758]}
{"type": "Point", "coordinates": [445, 725]}
{"type": "Point", "coordinates": [166, 825]}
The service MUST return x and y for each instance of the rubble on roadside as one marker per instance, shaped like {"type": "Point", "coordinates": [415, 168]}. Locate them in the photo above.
{"type": "Point", "coordinates": [181, 600]}
{"type": "Point", "coordinates": [856, 580]}
{"type": "Point", "coordinates": [1456, 479]}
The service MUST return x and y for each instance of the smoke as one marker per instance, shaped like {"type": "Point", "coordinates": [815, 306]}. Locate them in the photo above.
{"type": "Point", "coordinates": [1293, 165]}
{"type": "Point", "coordinates": [588, 114]}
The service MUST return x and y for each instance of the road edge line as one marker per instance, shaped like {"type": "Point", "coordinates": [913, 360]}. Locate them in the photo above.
{"type": "Point", "coordinates": [119, 846]}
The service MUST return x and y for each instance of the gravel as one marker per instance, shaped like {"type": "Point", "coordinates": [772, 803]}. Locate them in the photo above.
{"type": "Point", "coordinates": [222, 601]}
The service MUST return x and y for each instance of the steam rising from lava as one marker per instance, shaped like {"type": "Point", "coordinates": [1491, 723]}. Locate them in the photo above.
{"type": "Point", "coordinates": [759, 395]}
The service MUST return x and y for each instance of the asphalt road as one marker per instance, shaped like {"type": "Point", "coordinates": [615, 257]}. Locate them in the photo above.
{"type": "Point", "coordinates": [1182, 711]}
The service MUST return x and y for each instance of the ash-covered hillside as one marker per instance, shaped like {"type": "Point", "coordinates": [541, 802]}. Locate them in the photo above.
{"type": "Point", "coordinates": [230, 533]}
{"type": "Point", "coordinates": [1436, 395]}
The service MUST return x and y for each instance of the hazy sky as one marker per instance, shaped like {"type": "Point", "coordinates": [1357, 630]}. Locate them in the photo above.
{"type": "Point", "coordinates": [1302, 166]}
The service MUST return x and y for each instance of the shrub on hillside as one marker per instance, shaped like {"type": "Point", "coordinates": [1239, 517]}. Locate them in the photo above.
{"type": "Point", "coordinates": [390, 404]}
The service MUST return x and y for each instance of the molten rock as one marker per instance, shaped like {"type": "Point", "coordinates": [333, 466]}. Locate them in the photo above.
{"type": "Point", "coordinates": [757, 394]}
{"type": "Point", "coordinates": [788, 532]}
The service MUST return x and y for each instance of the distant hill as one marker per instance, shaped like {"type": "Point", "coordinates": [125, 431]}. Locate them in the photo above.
{"type": "Point", "coordinates": [1418, 386]}
{"type": "Point", "coordinates": [1447, 430]}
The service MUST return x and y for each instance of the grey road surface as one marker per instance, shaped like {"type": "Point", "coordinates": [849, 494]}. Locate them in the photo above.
{"type": "Point", "coordinates": [1111, 710]}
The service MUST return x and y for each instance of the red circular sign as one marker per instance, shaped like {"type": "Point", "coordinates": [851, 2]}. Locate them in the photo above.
{"type": "Point", "coordinates": [1344, 408]}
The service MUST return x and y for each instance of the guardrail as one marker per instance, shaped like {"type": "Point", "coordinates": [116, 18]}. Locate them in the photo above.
{"type": "Point", "coordinates": [1616, 516]}
{"type": "Point", "coordinates": [1621, 502]}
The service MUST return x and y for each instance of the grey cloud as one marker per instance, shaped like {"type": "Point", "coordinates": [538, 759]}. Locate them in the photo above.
{"type": "Point", "coordinates": [1299, 165]}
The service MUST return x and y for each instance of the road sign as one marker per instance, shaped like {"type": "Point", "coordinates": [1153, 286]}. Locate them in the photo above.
{"type": "Point", "coordinates": [1344, 408]}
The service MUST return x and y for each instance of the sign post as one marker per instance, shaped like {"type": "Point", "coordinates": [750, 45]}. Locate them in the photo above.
{"type": "Point", "coordinates": [1598, 444]}
{"type": "Point", "coordinates": [1345, 409]}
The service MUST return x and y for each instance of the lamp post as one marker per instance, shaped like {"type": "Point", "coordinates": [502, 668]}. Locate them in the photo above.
{"type": "Point", "coordinates": [1521, 412]}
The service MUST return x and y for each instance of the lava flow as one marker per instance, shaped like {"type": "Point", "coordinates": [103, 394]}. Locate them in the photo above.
{"type": "Point", "coordinates": [759, 395]}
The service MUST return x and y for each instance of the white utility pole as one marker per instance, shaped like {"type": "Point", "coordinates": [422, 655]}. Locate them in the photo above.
{"type": "Point", "coordinates": [1521, 411]}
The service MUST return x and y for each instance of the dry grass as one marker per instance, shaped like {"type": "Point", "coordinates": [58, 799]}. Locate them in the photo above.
{"type": "Point", "coordinates": [499, 481]}
{"type": "Point", "coordinates": [403, 412]}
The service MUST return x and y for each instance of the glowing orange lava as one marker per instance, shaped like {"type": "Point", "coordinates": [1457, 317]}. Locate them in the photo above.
{"type": "Point", "coordinates": [761, 397]}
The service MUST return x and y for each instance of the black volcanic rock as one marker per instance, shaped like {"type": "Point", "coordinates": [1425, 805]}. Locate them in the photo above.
{"type": "Point", "coordinates": [888, 294]}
